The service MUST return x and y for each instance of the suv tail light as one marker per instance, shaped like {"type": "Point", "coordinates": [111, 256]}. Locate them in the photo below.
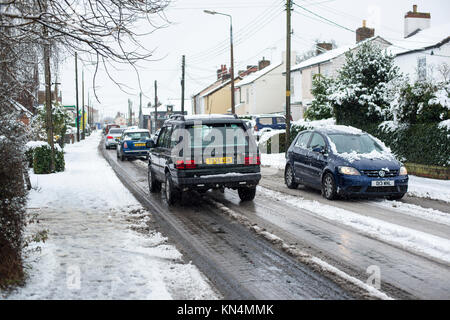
{"type": "Point", "coordinates": [255, 128]}
{"type": "Point", "coordinates": [188, 164]}
{"type": "Point", "coordinates": [125, 145]}
{"type": "Point", "coordinates": [252, 161]}
{"type": "Point", "coordinates": [109, 137]}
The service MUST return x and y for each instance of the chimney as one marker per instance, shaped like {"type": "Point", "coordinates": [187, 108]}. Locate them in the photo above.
{"type": "Point", "coordinates": [364, 33]}
{"type": "Point", "coordinates": [263, 63]}
{"type": "Point", "coordinates": [222, 73]}
{"type": "Point", "coordinates": [322, 46]}
{"type": "Point", "coordinates": [416, 21]}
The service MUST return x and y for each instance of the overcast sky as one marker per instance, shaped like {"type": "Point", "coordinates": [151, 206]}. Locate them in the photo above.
{"type": "Point", "coordinates": [259, 30]}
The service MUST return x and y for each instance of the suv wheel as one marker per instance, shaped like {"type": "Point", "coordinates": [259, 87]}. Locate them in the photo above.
{"type": "Point", "coordinates": [153, 184]}
{"type": "Point", "coordinates": [329, 187]}
{"type": "Point", "coordinates": [172, 194]}
{"type": "Point", "coordinates": [289, 178]}
{"type": "Point", "coordinates": [247, 194]}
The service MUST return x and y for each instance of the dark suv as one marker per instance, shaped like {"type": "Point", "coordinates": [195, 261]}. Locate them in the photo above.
{"type": "Point", "coordinates": [201, 153]}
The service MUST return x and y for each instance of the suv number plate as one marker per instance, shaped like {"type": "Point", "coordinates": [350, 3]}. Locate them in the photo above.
{"type": "Point", "coordinates": [383, 183]}
{"type": "Point", "coordinates": [219, 160]}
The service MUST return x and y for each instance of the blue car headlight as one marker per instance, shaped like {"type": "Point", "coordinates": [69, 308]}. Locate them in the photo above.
{"type": "Point", "coordinates": [403, 171]}
{"type": "Point", "coordinates": [349, 171]}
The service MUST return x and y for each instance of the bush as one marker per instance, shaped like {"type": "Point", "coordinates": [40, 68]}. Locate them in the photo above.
{"type": "Point", "coordinates": [422, 102]}
{"type": "Point", "coordinates": [321, 107]}
{"type": "Point", "coordinates": [42, 159]}
{"type": "Point", "coordinates": [365, 86]}
{"type": "Point", "coordinates": [12, 198]}
{"type": "Point", "coordinates": [425, 143]}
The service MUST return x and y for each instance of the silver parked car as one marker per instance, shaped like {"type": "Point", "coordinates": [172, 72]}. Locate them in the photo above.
{"type": "Point", "coordinates": [113, 136]}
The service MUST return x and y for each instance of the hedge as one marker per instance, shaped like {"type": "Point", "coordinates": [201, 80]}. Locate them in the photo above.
{"type": "Point", "coordinates": [42, 160]}
{"type": "Point", "coordinates": [419, 143]}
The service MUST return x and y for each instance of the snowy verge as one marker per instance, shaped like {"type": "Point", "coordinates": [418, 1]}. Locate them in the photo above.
{"type": "Point", "coordinates": [101, 242]}
{"type": "Point", "coordinates": [409, 239]}
{"type": "Point", "coordinates": [415, 211]}
{"type": "Point", "coordinates": [273, 160]}
{"type": "Point", "coordinates": [434, 189]}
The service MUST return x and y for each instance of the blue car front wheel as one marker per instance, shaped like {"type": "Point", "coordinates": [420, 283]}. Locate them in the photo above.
{"type": "Point", "coordinates": [329, 189]}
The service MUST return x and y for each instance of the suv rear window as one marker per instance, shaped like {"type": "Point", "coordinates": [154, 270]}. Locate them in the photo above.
{"type": "Point", "coordinates": [217, 134]}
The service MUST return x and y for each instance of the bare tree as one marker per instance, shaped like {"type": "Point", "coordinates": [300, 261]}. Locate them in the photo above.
{"type": "Point", "coordinates": [32, 32]}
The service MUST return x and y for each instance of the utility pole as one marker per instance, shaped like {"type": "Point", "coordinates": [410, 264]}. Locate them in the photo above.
{"type": "Point", "coordinates": [76, 92]}
{"type": "Point", "coordinates": [48, 100]}
{"type": "Point", "coordinates": [130, 120]}
{"type": "Point", "coordinates": [141, 123]}
{"type": "Point", "coordinates": [156, 106]}
{"type": "Point", "coordinates": [182, 83]}
{"type": "Point", "coordinates": [288, 73]}
{"type": "Point", "coordinates": [233, 111]}
{"type": "Point", "coordinates": [83, 123]}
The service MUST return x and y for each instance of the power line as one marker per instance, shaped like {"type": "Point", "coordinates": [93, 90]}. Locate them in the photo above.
{"type": "Point", "coordinates": [252, 25]}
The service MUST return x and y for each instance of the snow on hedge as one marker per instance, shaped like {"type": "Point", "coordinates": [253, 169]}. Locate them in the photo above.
{"type": "Point", "coordinates": [444, 125]}
{"type": "Point", "coordinates": [38, 144]}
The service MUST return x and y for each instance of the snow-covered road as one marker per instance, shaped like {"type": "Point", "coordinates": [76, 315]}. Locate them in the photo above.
{"type": "Point", "coordinates": [101, 244]}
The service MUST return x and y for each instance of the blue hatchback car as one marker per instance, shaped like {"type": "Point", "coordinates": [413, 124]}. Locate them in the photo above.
{"type": "Point", "coordinates": [133, 144]}
{"type": "Point", "coordinates": [344, 161]}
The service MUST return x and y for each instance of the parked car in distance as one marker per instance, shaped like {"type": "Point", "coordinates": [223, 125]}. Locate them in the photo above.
{"type": "Point", "coordinates": [133, 144]}
{"type": "Point", "coordinates": [109, 126]}
{"type": "Point", "coordinates": [344, 161]}
{"type": "Point", "coordinates": [198, 167]}
{"type": "Point", "coordinates": [268, 122]}
{"type": "Point", "coordinates": [113, 137]}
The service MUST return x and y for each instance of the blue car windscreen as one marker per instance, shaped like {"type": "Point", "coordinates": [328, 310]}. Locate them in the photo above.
{"type": "Point", "coordinates": [348, 143]}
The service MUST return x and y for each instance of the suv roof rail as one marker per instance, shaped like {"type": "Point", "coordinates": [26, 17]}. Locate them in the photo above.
{"type": "Point", "coordinates": [177, 117]}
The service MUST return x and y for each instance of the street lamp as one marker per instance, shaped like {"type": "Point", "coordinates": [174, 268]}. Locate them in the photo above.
{"type": "Point", "coordinates": [231, 54]}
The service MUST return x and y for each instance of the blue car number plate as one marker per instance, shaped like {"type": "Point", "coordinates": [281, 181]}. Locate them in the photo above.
{"type": "Point", "coordinates": [383, 183]}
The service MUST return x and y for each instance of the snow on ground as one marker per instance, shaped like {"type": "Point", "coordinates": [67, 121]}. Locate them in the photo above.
{"type": "Point", "coordinates": [429, 188]}
{"type": "Point", "coordinates": [407, 238]}
{"type": "Point", "coordinates": [100, 245]}
{"type": "Point", "coordinates": [274, 160]}
{"type": "Point", "coordinates": [415, 211]}
{"type": "Point", "coordinates": [417, 186]}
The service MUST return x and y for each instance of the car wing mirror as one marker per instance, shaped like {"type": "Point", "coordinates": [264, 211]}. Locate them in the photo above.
{"type": "Point", "coordinates": [319, 150]}
{"type": "Point", "coordinates": [150, 144]}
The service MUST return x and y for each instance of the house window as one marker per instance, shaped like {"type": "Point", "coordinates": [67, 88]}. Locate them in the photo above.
{"type": "Point", "coordinates": [422, 68]}
{"type": "Point", "coordinates": [247, 97]}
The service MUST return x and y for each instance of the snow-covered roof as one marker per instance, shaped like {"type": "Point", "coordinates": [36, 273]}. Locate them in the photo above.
{"type": "Point", "coordinates": [258, 74]}
{"type": "Point", "coordinates": [423, 39]}
{"type": "Point", "coordinates": [331, 54]}
{"type": "Point", "coordinates": [220, 86]}
{"type": "Point", "coordinates": [326, 56]}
